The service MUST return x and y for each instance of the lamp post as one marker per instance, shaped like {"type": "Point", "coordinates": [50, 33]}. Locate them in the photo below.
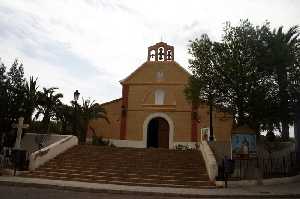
{"type": "Point", "coordinates": [211, 128]}
{"type": "Point", "coordinates": [76, 97]}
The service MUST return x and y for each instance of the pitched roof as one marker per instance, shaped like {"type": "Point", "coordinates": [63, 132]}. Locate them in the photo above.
{"type": "Point", "coordinates": [112, 101]}
{"type": "Point", "coordinates": [145, 63]}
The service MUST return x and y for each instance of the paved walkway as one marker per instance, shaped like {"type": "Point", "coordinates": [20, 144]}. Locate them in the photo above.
{"type": "Point", "coordinates": [281, 190]}
{"type": "Point", "coordinates": [19, 192]}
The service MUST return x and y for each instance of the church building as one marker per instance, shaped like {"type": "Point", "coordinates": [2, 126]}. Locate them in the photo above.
{"type": "Point", "coordinates": [153, 110]}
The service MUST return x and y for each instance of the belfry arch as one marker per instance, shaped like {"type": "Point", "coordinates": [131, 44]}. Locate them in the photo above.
{"type": "Point", "coordinates": [161, 52]}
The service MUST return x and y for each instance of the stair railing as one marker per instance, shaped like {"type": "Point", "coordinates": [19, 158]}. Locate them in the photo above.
{"type": "Point", "coordinates": [210, 161]}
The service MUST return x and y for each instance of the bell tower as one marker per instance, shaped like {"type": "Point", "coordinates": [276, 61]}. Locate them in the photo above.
{"type": "Point", "coordinates": [161, 52]}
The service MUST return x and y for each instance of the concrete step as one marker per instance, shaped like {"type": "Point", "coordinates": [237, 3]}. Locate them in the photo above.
{"type": "Point", "coordinates": [126, 175]}
{"type": "Point", "coordinates": [126, 168]}
{"type": "Point", "coordinates": [127, 181]}
{"type": "Point", "coordinates": [144, 167]}
{"type": "Point", "coordinates": [117, 172]}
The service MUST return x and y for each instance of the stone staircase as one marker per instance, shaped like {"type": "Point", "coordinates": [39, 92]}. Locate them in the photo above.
{"type": "Point", "coordinates": [127, 166]}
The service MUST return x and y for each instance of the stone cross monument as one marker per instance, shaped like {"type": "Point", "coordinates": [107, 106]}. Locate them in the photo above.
{"type": "Point", "coordinates": [20, 126]}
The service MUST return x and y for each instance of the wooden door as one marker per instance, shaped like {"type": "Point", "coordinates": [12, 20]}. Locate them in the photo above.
{"type": "Point", "coordinates": [163, 133]}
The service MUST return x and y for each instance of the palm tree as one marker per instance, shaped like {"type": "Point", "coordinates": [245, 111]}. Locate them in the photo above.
{"type": "Point", "coordinates": [49, 101]}
{"type": "Point", "coordinates": [87, 112]}
{"type": "Point", "coordinates": [31, 98]}
{"type": "Point", "coordinates": [295, 92]}
{"type": "Point", "coordinates": [282, 53]}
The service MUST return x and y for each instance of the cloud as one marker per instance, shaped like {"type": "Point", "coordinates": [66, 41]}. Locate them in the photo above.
{"type": "Point", "coordinates": [90, 45]}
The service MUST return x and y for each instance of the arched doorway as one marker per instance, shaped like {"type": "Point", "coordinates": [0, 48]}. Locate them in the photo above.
{"type": "Point", "coordinates": [158, 133]}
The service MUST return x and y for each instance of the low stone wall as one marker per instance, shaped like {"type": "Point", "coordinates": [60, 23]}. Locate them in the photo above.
{"type": "Point", "coordinates": [29, 141]}
{"type": "Point", "coordinates": [210, 161]}
{"type": "Point", "coordinates": [40, 157]}
{"type": "Point", "coordinates": [126, 143]}
{"type": "Point", "coordinates": [287, 148]}
{"type": "Point", "coordinates": [261, 182]}
{"type": "Point", "coordinates": [222, 149]}
{"type": "Point", "coordinates": [255, 168]}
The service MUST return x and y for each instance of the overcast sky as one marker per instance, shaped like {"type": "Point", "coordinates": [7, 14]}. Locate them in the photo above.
{"type": "Point", "coordinates": [90, 45]}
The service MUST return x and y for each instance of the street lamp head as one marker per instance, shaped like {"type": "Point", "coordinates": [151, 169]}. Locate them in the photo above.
{"type": "Point", "coordinates": [76, 95]}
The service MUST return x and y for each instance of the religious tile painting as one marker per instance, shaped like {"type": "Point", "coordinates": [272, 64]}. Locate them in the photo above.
{"type": "Point", "coordinates": [243, 145]}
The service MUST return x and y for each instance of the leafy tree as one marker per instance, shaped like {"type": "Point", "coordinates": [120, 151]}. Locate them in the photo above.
{"type": "Point", "coordinates": [256, 73]}
{"type": "Point", "coordinates": [11, 94]}
{"type": "Point", "coordinates": [11, 100]}
{"type": "Point", "coordinates": [3, 99]}
{"type": "Point", "coordinates": [226, 70]}
{"type": "Point", "coordinates": [229, 73]}
{"type": "Point", "coordinates": [65, 114]}
{"type": "Point", "coordinates": [15, 90]}
{"type": "Point", "coordinates": [238, 66]}
{"type": "Point", "coordinates": [204, 85]}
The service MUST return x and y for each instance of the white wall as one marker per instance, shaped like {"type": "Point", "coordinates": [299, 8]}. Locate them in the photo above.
{"type": "Point", "coordinates": [40, 157]}
{"type": "Point", "coordinates": [210, 161]}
